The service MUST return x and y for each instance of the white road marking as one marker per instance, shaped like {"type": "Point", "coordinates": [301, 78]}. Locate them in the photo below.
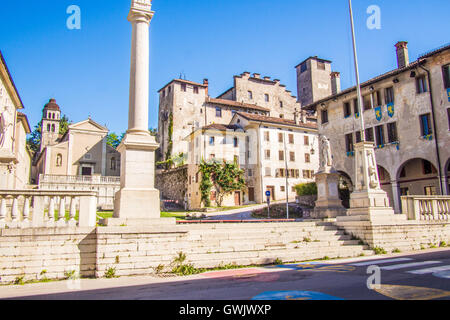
{"type": "Point", "coordinates": [376, 262]}
{"type": "Point", "coordinates": [409, 265]}
{"type": "Point", "coordinates": [430, 270]}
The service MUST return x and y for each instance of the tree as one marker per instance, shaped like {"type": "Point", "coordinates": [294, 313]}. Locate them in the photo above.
{"type": "Point", "coordinates": [113, 140]}
{"type": "Point", "coordinates": [34, 139]}
{"type": "Point", "coordinates": [306, 189]}
{"type": "Point", "coordinates": [226, 178]}
{"type": "Point", "coordinates": [64, 125]}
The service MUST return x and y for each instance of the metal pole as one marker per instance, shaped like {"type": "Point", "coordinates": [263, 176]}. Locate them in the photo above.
{"type": "Point", "coordinates": [287, 177]}
{"type": "Point", "coordinates": [358, 85]}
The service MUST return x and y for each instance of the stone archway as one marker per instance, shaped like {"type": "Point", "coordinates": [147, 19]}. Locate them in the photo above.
{"type": "Point", "coordinates": [418, 176]}
{"type": "Point", "coordinates": [387, 186]}
{"type": "Point", "coordinates": [345, 188]}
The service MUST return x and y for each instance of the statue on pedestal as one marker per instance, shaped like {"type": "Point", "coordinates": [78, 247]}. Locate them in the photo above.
{"type": "Point", "coordinates": [326, 159]}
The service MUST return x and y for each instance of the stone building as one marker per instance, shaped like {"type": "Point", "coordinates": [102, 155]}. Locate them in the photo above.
{"type": "Point", "coordinates": [15, 158]}
{"type": "Point", "coordinates": [407, 116]}
{"type": "Point", "coordinates": [186, 106]}
{"type": "Point", "coordinates": [269, 149]}
{"type": "Point", "coordinates": [79, 160]}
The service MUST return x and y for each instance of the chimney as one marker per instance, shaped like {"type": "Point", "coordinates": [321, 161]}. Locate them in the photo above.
{"type": "Point", "coordinates": [206, 83]}
{"type": "Point", "coordinates": [335, 83]}
{"type": "Point", "coordinates": [296, 116]}
{"type": "Point", "coordinates": [256, 75]}
{"type": "Point", "coordinates": [266, 78]}
{"type": "Point", "coordinates": [402, 54]}
{"type": "Point", "coordinates": [304, 116]}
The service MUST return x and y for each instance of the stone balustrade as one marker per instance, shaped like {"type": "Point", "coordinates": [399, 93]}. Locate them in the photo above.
{"type": "Point", "coordinates": [46, 178]}
{"type": "Point", "coordinates": [426, 208]}
{"type": "Point", "coordinates": [47, 209]}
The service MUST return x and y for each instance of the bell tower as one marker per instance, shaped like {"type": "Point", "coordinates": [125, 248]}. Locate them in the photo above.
{"type": "Point", "coordinates": [51, 116]}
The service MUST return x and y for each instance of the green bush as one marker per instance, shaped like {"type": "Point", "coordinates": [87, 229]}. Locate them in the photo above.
{"type": "Point", "coordinates": [306, 189]}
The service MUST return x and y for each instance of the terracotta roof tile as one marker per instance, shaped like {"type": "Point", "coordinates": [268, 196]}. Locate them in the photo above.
{"type": "Point", "coordinates": [236, 104]}
{"type": "Point", "coordinates": [259, 118]}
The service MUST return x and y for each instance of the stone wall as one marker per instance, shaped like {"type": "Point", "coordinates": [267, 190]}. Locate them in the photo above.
{"type": "Point", "coordinates": [407, 236]}
{"type": "Point", "coordinates": [173, 183]}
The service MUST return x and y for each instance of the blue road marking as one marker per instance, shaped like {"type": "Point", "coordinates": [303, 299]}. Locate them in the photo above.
{"type": "Point", "coordinates": [294, 295]}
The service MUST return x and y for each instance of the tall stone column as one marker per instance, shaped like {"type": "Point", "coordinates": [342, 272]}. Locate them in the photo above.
{"type": "Point", "coordinates": [138, 202]}
{"type": "Point", "coordinates": [396, 196]}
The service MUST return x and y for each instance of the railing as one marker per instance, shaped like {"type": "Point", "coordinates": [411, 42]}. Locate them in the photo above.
{"type": "Point", "coordinates": [427, 208]}
{"type": "Point", "coordinates": [47, 209]}
{"type": "Point", "coordinates": [78, 179]}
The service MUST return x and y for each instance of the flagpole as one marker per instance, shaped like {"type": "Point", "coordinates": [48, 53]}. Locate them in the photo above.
{"type": "Point", "coordinates": [358, 84]}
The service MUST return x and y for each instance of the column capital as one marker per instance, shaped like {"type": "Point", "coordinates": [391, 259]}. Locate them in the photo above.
{"type": "Point", "coordinates": [141, 11]}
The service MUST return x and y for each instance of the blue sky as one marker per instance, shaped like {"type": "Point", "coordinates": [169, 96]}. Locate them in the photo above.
{"type": "Point", "coordinates": [87, 70]}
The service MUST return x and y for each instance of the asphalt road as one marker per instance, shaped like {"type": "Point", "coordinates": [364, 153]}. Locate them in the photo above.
{"type": "Point", "coordinates": [418, 276]}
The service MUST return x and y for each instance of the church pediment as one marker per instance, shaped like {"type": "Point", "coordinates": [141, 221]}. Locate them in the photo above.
{"type": "Point", "coordinates": [88, 125]}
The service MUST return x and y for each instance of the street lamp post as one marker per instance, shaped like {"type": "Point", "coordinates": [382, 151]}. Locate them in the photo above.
{"type": "Point", "coordinates": [287, 176]}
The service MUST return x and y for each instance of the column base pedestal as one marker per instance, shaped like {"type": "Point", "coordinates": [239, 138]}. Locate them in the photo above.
{"type": "Point", "coordinates": [328, 204]}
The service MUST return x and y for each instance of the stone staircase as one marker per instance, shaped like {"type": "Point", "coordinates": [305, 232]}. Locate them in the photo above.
{"type": "Point", "coordinates": [264, 243]}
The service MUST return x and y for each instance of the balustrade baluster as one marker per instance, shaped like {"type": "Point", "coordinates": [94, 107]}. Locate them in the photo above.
{"type": "Point", "coordinates": [2, 209]}
{"type": "Point", "coordinates": [51, 209]}
{"type": "Point", "coordinates": [62, 209]}
{"type": "Point", "coordinates": [26, 209]}
{"type": "Point", "coordinates": [73, 209]}
{"type": "Point", "coordinates": [15, 210]}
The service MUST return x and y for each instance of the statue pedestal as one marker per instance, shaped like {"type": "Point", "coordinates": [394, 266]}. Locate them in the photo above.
{"type": "Point", "coordinates": [369, 202]}
{"type": "Point", "coordinates": [328, 204]}
{"type": "Point", "coordinates": [137, 199]}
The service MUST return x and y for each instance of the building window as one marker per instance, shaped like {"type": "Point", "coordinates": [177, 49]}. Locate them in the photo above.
{"type": "Point", "coordinates": [283, 189]}
{"type": "Point", "coordinates": [428, 167]}
{"type": "Point", "coordinates": [303, 67]}
{"type": "Point", "coordinates": [250, 95]}
{"type": "Point", "coordinates": [281, 104]}
{"type": "Point", "coordinates": [389, 95]}
{"type": "Point", "coordinates": [218, 112]}
{"type": "Point", "coordinates": [292, 156]}
{"type": "Point", "coordinates": [324, 116]}
{"type": "Point", "coordinates": [425, 125]}
{"type": "Point", "coordinates": [236, 142]}
{"type": "Point", "coordinates": [266, 97]}
{"type": "Point", "coordinates": [367, 102]}
{"type": "Point", "coordinates": [306, 138]}
{"type": "Point", "coordinates": [212, 141]}
{"type": "Point", "coordinates": [355, 106]}
{"type": "Point", "coordinates": [267, 136]}
{"type": "Point", "coordinates": [280, 137]}
{"type": "Point", "coordinates": [212, 156]}
{"type": "Point", "coordinates": [268, 172]}
{"type": "Point", "coordinates": [291, 139]}
{"type": "Point", "coordinates": [421, 84]}
{"type": "Point", "coordinates": [250, 172]}
{"type": "Point", "coordinates": [196, 90]}
{"type": "Point", "coordinates": [163, 93]}
{"type": "Point", "coordinates": [349, 142]}
{"type": "Point", "coordinates": [358, 136]}
{"type": "Point", "coordinates": [48, 127]}
{"type": "Point", "coordinates": [347, 110]}
{"type": "Point", "coordinates": [170, 89]}
{"type": "Point", "coordinates": [369, 135]}
{"type": "Point", "coordinates": [446, 74]}
{"type": "Point", "coordinates": [307, 158]}
{"type": "Point", "coordinates": [113, 164]}
{"type": "Point", "coordinates": [430, 191]}
{"type": "Point", "coordinates": [281, 116]}
{"type": "Point", "coordinates": [320, 65]}
{"type": "Point", "coordinates": [183, 87]}
{"type": "Point", "coordinates": [213, 196]}
{"type": "Point", "coordinates": [392, 132]}
{"type": "Point", "coordinates": [379, 135]}
{"type": "Point", "coordinates": [281, 155]}
{"type": "Point", "coordinates": [267, 154]}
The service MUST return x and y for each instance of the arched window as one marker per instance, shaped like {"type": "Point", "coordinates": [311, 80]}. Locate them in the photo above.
{"type": "Point", "coordinates": [48, 127]}
{"type": "Point", "coordinates": [59, 160]}
{"type": "Point", "coordinates": [53, 128]}
{"type": "Point", "coordinates": [113, 164]}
